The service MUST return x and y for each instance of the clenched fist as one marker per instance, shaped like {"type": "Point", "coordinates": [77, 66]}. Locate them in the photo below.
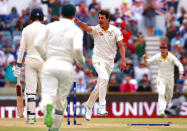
{"type": "Point", "coordinates": [76, 20]}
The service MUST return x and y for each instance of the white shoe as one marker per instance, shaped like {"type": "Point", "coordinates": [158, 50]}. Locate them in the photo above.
{"type": "Point", "coordinates": [102, 111]}
{"type": "Point", "coordinates": [88, 113]}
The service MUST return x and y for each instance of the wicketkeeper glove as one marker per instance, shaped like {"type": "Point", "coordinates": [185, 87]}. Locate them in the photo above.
{"type": "Point", "coordinates": [17, 70]}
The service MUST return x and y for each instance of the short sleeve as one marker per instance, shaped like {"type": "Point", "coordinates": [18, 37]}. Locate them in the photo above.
{"type": "Point", "coordinates": [94, 30]}
{"type": "Point", "coordinates": [119, 35]}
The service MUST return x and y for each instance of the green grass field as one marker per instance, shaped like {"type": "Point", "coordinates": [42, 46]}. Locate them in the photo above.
{"type": "Point", "coordinates": [99, 124]}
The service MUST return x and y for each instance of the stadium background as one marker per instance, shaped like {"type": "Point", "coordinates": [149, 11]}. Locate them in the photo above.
{"type": "Point", "coordinates": [134, 87]}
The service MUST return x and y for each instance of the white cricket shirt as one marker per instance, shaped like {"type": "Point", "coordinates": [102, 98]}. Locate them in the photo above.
{"type": "Point", "coordinates": [166, 66]}
{"type": "Point", "coordinates": [105, 41]}
{"type": "Point", "coordinates": [28, 37]}
{"type": "Point", "coordinates": [63, 41]}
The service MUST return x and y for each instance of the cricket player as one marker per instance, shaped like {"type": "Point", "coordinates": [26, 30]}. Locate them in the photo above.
{"type": "Point", "coordinates": [105, 38]}
{"type": "Point", "coordinates": [165, 79]}
{"type": "Point", "coordinates": [63, 41]}
{"type": "Point", "coordinates": [33, 62]}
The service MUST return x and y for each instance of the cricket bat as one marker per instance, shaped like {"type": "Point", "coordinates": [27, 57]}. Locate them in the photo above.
{"type": "Point", "coordinates": [19, 93]}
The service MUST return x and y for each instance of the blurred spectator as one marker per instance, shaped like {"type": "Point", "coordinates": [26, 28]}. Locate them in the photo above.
{"type": "Point", "coordinates": [137, 11]}
{"type": "Point", "coordinates": [94, 5]}
{"type": "Point", "coordinates": [2, 78]}
{"type": "Point", "coordinates": [139, 46]}
{"type": "Point", "coordinates": [169, 15]}
{"type": "Point", "coordinates": [174, 21]}
{"type": "Point", "coordinates": [117, 69]}
{"type": "Point", "coordinates": [174, 4]}
{"type": "Point", "coordinates": [132, 26]}
{"type": "Point", "coordinates": [1, 28]}
{"type": "Point", "coordinates": [127, 86]}
{"type": "Point", "coordinates": [9, 58]}
{"type": "Point", "coordinates": [92, 18]}
{"type": "Point", "coordinates": [126, 11]}
{"type": "Point", "coordinates": [2, 59]}
{"type": "Point", "coordinates": [184, 88]}
{"type": "Point", "coordinates": [140, 71]}
{"type": "Point", "coordinates": [82, 12]}
{"type": "Point", "coordinates": [9, 75]}
{"type": "Point", "coordinates": [15, 53]}
{"type": "Point", "coordinates": [3, 10]}
{"type": "Point", "coordinates": [81, 87]}
{"type": "Point", "coordinates": [126, 35]}
{"type": "Point", "coordinates": [26, 15]}
{"type": "Point", "coordinates": [118, 22]}
{"type": "Point", "coordinates": [54, 9]}
{"type": "Point", "coordinates": [144, 84]}
{"type": "Point", "coordinates": [92, 80]}
{"type": "Point", "coordinates": [129, 68]}
{"type": "Point", "coordinates": [79, 74]}
{"type": "Point", "coordinates": [34, 4]}
{"type": "Point", "coordinates": [13, 17]}
{"type": "Point", "coordinates": [20, 24]}
{"type": "Point", "coordinates": [183, 31]}
{"type": "Point", "coordinates": [149, 16]}
{"type": "Point", "coordinates": [181, 17]}
{"type": "Point", "coordinates": [113, 83]}
{"type": "Point", "coordinates": [88, 64]}
{"type": "Point", "coordinates": [177, 40]}
{"type": "Point", "coordinates": [7, 46]}
{"type": "Point", "coordinates": [115, 15]}
{"type": "Point", "coordinates": [171, 32]}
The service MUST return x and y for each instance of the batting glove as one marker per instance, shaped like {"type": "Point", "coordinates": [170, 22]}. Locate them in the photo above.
{"type": "Point", "coordinates": [17, 70]}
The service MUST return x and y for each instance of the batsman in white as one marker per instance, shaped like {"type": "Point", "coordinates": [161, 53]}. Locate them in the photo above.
{"type": "Point", "coordinates": [63, 41]}
{"type": "Point", "coordinates": [33, 62]}
{"type": "Point", "coordinates": [165, 79]}
{"type": "Point", "coordinates": [105, 38]}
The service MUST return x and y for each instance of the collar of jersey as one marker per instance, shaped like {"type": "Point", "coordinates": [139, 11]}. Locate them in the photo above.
{"type": "Point", "coordinates": [164, 58]}
{"type": "Point", "coordinates": [104, 30]}
{"type": "Point", "coordinates": [66, 19]}
{"type": "Point", "coordinates": [109, 29]}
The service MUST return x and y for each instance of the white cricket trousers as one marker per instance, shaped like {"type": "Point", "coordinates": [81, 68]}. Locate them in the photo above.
{"type": "Point", "coordinates": [165, 92]}
{"type": "Point", "coordinates": [103, 68]}
{"type": "Point", "coordinates": [57, 80]}
{"type": "Point", "coordinates": [32, 73]}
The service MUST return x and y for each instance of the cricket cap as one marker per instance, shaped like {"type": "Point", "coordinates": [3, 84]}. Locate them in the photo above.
{"type": "Point", "coordinates": [163, 45]}
{"type": "Point", "coordinates": [68, 10]}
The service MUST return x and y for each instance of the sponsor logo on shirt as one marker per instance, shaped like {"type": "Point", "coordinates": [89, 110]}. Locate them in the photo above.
{"type": "Point", "coordinates": [101, 33]}
{"type": "Point", "coordinates": [110, 33]}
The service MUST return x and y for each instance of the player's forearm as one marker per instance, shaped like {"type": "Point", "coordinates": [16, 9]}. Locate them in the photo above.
{"type": "Point", "coordinates": [181, 69]}
{"type": "Point", "coordinates": [21, 51]}
{"type": "Point", "coordinates": [20, 56]}
{"type": "Point", "coordinates": [84, 27]}
{"type": "Point", "coordinates": [122, 51]}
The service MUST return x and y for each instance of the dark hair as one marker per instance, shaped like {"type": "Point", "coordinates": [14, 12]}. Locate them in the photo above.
{"type": "Point", "coordinates": [104, 12]}
{"type": "Point", "coordinates": [68, 10]}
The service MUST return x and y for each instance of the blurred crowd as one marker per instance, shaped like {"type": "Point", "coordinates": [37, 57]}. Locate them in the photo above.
{"type": "Point", "coordinates": [129, 18]}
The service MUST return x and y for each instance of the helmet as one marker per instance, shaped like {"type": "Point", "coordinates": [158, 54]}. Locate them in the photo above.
{"type": "Point", "coordinates": [36, 13]}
